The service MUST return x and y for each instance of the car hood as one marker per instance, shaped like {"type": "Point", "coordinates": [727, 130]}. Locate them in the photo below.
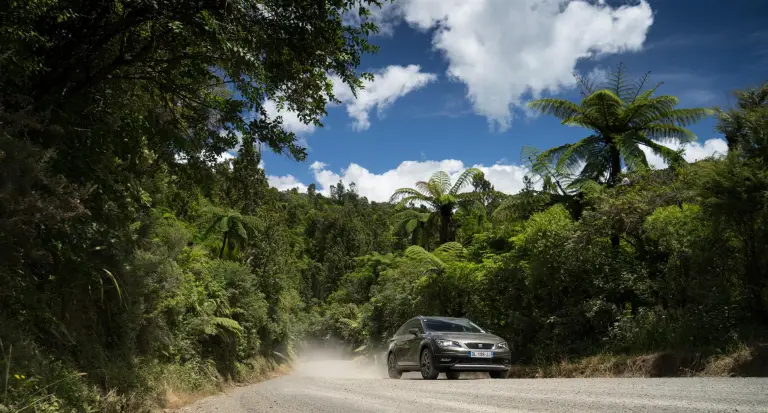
{"type": "Point", "coordinates": [469, 337]}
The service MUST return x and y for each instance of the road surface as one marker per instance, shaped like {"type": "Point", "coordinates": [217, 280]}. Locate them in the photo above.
{"type": "Point", "coordinates": [344, 387]}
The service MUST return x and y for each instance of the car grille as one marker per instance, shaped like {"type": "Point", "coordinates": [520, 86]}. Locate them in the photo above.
{"type": "Point", "coordinates": [479, 346]}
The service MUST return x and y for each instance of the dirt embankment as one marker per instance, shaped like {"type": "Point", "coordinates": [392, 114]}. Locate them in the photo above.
{"type": "Point", "coordinates": [746, 361]}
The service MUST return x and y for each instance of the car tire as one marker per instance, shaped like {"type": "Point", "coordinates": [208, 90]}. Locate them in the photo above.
{"type": "Point", "coordinates": [427, 363]}
{"type": "Point", "coordinates": [392, 369]}
{"type": "Point", "coordinates": [498, 374]}
{"type": "Point", "coordinates": [452, 375]}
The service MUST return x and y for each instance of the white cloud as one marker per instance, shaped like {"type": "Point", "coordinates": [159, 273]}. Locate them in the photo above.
{"type": "Point", "coordinates": [504, 50]}
{"type": "Point", "coordinates": [225, 156]}
{"type": "Point", "coordinates": [383, 16]}
{"type": "Point", "coordinates": [388, 85]}
{"type": "Point", "coordinates": [598, 75]}
{"type": "Point", "coordinates": [318, 165]}
{"type": "Point", "coordinates": [694, 151]}
{"type": "Point", "coordinates": [291, 121]}
{"type": "Point", "coordinates": [379, 187]}
{"type": "Point", "coordinates": [284, 183]}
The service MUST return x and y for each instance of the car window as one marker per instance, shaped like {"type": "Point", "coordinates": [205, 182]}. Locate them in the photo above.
{"type": "Point", "coordinates": [452, 326]}
{"type": "Point", "coordinates": [405, 327]}
{"type": "Point", "coordinates": [413, 324]}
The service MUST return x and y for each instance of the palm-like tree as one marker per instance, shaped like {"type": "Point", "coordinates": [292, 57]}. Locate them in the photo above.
{"type": "Point", "coordinates": [439, 195]}
{"type": "Point", "coordinates": [235, 228]}
{"type": "Point", "coordinates": [623, 117]}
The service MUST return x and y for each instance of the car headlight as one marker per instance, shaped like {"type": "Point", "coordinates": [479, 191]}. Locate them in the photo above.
{"type": "Point", "coordinates": [448, 344]}
{"type": "Point", "coordinates": [503, 344]}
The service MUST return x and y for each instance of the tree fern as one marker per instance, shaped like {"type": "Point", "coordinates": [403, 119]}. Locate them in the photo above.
{"type": "Point", "coordinates": [450, 251]}
{"type": "Point", "coordinates": [624, 118]}
{"type": "Point", "coordinates": [420, 255]}
{"type": "Point", "coordinates": [227, 324]}
{"type": "Point", "coordinates": [236, 229]}
{"type": "Point", "coordinates": [441, 197]}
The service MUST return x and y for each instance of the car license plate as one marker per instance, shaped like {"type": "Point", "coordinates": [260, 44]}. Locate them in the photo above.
{"type": "Point", "coordinates": [481, 354]}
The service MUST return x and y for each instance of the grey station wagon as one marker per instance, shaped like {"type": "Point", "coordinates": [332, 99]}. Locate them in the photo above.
{"type": "Point", "coordinates": [435, 345]}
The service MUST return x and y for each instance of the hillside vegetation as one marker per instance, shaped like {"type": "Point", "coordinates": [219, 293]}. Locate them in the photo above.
{"type": "Point", "coordinates": [136, 265]}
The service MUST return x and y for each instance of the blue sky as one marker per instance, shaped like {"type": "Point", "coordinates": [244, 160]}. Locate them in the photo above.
{"type": "Point", "coordinates": [454, 77]}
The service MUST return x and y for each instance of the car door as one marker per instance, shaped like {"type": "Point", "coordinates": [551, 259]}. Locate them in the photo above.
{"type": "Point", "coordinates": [412, 342]}
{"type": "Point", "coordinates": [399, 347]}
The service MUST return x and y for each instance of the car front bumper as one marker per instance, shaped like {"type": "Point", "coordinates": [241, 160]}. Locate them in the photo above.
{"type": "Point", "coordinates": [460, 360]}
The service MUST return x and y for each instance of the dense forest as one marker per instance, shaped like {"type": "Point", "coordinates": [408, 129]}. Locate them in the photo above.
{"type": "Point", "coordinates": [133, 260]}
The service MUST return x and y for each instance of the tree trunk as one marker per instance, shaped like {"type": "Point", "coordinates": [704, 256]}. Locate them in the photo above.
{"type": "Point", "coordinates": [613, 176]}
{"type": "Point", "coordinates": [223, 244]}
{"type": "Point", "coordinates": [613, 180]}
{"type": "Point", "coordinates": [445, 226]}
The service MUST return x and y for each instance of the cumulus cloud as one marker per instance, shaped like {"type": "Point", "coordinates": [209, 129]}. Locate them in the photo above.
{"type": "Point", "coordinates": [225, 156]}
{"type": "Point", "coordinates": [284, 183]}
{"type": "Point", "coordinates": [505, 50]}
{"type": "Point", "coordinates": [291, 121]}
{"type": "Point", "coordinates": [384, 17]}
{"type": "Point", "coordinates": [694, 151]}
{"type": "Point", "coordinates": [380, 186]}
{"type": "Point", "coordinates": [388, 85]}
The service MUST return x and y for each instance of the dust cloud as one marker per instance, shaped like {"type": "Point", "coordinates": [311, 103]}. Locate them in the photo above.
{"type": "Point", "coordinates": [334, 360]}
{"type": "Point", "coordinates": [331, 360]}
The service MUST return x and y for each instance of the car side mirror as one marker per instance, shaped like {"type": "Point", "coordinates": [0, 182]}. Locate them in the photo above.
{"type": "Point", "coordinates": [414, 331]}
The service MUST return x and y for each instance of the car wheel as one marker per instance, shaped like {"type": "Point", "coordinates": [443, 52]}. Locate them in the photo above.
{"type": "Point", "coordinates": [428, 370]}
{"type": "Point", "coordinates": [452, 375]}
{"type": "Point", "coordinates": [498, 374]}
{"type": "Point", "coordinates": [392, 370]}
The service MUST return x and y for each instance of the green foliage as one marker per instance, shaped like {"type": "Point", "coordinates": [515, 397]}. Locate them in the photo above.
{"type": "Point", "coordinates": [132, 260]}
{"type": "Point", "coordinates": [669, 259]}
{"type": "Point", "coordinates": [112, 115]}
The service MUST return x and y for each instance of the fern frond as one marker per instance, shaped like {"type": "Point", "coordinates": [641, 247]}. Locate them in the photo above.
{"type": "Point", "coordinates": [464, 179]}
{"type": "Point", "coordinates": [671, 157]}
{"type": "Point", "coordinates": [404, 195]}
{"type": "Point", "coordinates": [559, 108]}
{"type": "Point", "coordinates": [638, 87]}
{"type": "Point", "coordinates": [619, 83]}
{"type": "Point", "coordinates": [634, 157]}
{"type": "Point", "coordinates": [440, 182]}
{"type": "Point", "coordinates": [689, 116]}
{"type": "Point", "coordinates": [669, 132]}
{"type": "Point", "coordinates": [421, 255]}
{"type": "Point", "coordinates": [227, 324]}
{"type": "Point", "coordinates": [449, 251]}
{"type": "Point", "coordinates": [578, 153]}
{"type": "Point", "coordinates": [424, 188]}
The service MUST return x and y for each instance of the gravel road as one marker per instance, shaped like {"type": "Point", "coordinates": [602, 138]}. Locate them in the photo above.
{"type": "Point", "coordinates": [343, 387]}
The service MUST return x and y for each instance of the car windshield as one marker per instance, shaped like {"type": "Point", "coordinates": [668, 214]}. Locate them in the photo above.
{"type": "Point", "coordinates": [452, 326]}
